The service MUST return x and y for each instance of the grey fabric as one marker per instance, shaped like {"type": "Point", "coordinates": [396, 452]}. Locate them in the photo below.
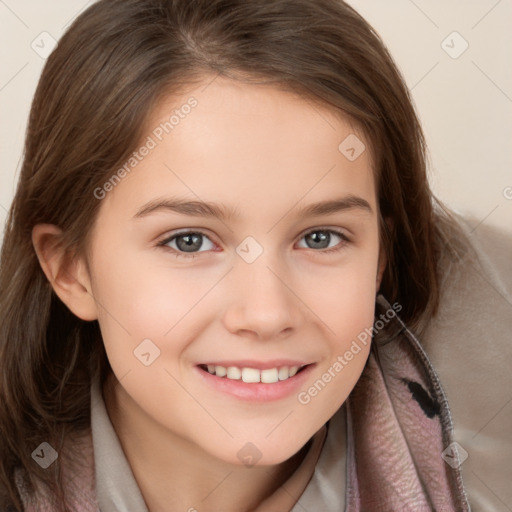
{"type": "Point", "coordinates": [326, 489]}
{"type": "Point", "coordinates": [116, 487]}
{"type": "Point", "coordinates": [469, 343]}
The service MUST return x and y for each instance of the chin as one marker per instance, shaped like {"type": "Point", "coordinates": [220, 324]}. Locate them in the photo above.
{"type": "Point", "coordinates": [260, 453]}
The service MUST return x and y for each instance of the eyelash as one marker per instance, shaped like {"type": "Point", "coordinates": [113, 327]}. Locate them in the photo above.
{"type": "Point", "coordinates": [340, 246]}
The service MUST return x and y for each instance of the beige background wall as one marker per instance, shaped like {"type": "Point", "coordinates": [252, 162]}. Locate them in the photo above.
{"type": "Point", "coordinates": [464, 98]}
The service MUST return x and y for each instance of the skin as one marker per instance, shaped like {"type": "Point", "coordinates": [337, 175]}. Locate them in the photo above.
{"type": "Point", "coordinates": [265, 152]}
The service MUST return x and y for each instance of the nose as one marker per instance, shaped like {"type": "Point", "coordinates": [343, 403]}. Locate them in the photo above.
{"type": "Point", "coordinates": [263, 303]}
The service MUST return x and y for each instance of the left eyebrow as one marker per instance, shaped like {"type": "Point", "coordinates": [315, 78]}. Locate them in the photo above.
{"type": "Point", "coordinates": [349, 202]}
{"type": "Point", "coordinates": [210, 209]}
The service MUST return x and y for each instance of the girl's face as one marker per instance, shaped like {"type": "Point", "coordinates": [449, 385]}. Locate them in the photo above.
{"type": "Point", "coordinates": [261, 280]}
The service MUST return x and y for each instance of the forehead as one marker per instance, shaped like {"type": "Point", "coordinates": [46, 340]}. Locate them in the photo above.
{"type": "Point", "coordinates": [257, 108]}
{"type": "Point", "coordinates": [248, 146]}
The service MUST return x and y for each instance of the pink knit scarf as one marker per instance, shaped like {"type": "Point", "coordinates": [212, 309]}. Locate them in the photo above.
{"type": "Point", "coordinates": [399, 424]}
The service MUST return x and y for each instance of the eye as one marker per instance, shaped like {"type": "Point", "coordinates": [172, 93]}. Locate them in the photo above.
{"type": "Point", "coordinates": [320, 238]}
{"type": "Point", "coordinates": [185, 242]}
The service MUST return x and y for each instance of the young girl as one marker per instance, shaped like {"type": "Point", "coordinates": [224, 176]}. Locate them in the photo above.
{"type": "Point", "coordinates": [226, 284]}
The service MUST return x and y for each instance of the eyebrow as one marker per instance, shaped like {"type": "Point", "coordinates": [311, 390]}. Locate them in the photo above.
{"type": "Point", "coordinates": [214, 210]}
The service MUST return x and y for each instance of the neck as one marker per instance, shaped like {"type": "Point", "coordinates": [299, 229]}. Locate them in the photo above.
{"type": "Point", "coordinates": [162, 462]}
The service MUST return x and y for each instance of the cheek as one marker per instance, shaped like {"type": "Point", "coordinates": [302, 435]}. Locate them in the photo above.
{"type": "Point", "coordinates": [345, 301]}
{"type": "Point", "coordinates": [138, 301]}
{"type": "Point", "coordinates": [355, 307]}
{"type": "Point", "coordinates": [347, 309]}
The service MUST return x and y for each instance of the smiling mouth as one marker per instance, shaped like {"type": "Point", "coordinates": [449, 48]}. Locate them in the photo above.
{"type": "Point", "coordinates": [253, 375]}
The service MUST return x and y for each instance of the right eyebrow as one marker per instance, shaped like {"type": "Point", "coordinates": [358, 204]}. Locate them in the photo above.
{"type": "Point", "coordinates": [187, 207]}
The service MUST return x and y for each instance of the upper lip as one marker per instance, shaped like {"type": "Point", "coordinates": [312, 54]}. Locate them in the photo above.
{"type": "Point", "coordinates": [259, 365]}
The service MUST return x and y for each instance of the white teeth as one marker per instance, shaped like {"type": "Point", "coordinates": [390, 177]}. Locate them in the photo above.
{"type": "Point", "coordinates": [220, 371]}
{"type": "Point", "coordinates": [269, 376]}
{"type": "Point", "coordinates": [283, 373]}
{"type": "Point", "coordinates": [234, 373]}
{"type": "Point", "coordinates": [251, 375]}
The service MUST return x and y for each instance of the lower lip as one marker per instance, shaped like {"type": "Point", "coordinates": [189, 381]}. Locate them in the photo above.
{"type": "Point", "coordinates": [257, 391]}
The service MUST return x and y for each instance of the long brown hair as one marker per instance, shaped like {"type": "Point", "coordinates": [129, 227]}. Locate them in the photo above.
{"type": "Point", "coordinates": [96, 91]}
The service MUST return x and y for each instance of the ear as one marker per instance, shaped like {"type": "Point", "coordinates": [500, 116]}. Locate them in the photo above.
{"type": "Point", "coordinates": [67, 274]}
